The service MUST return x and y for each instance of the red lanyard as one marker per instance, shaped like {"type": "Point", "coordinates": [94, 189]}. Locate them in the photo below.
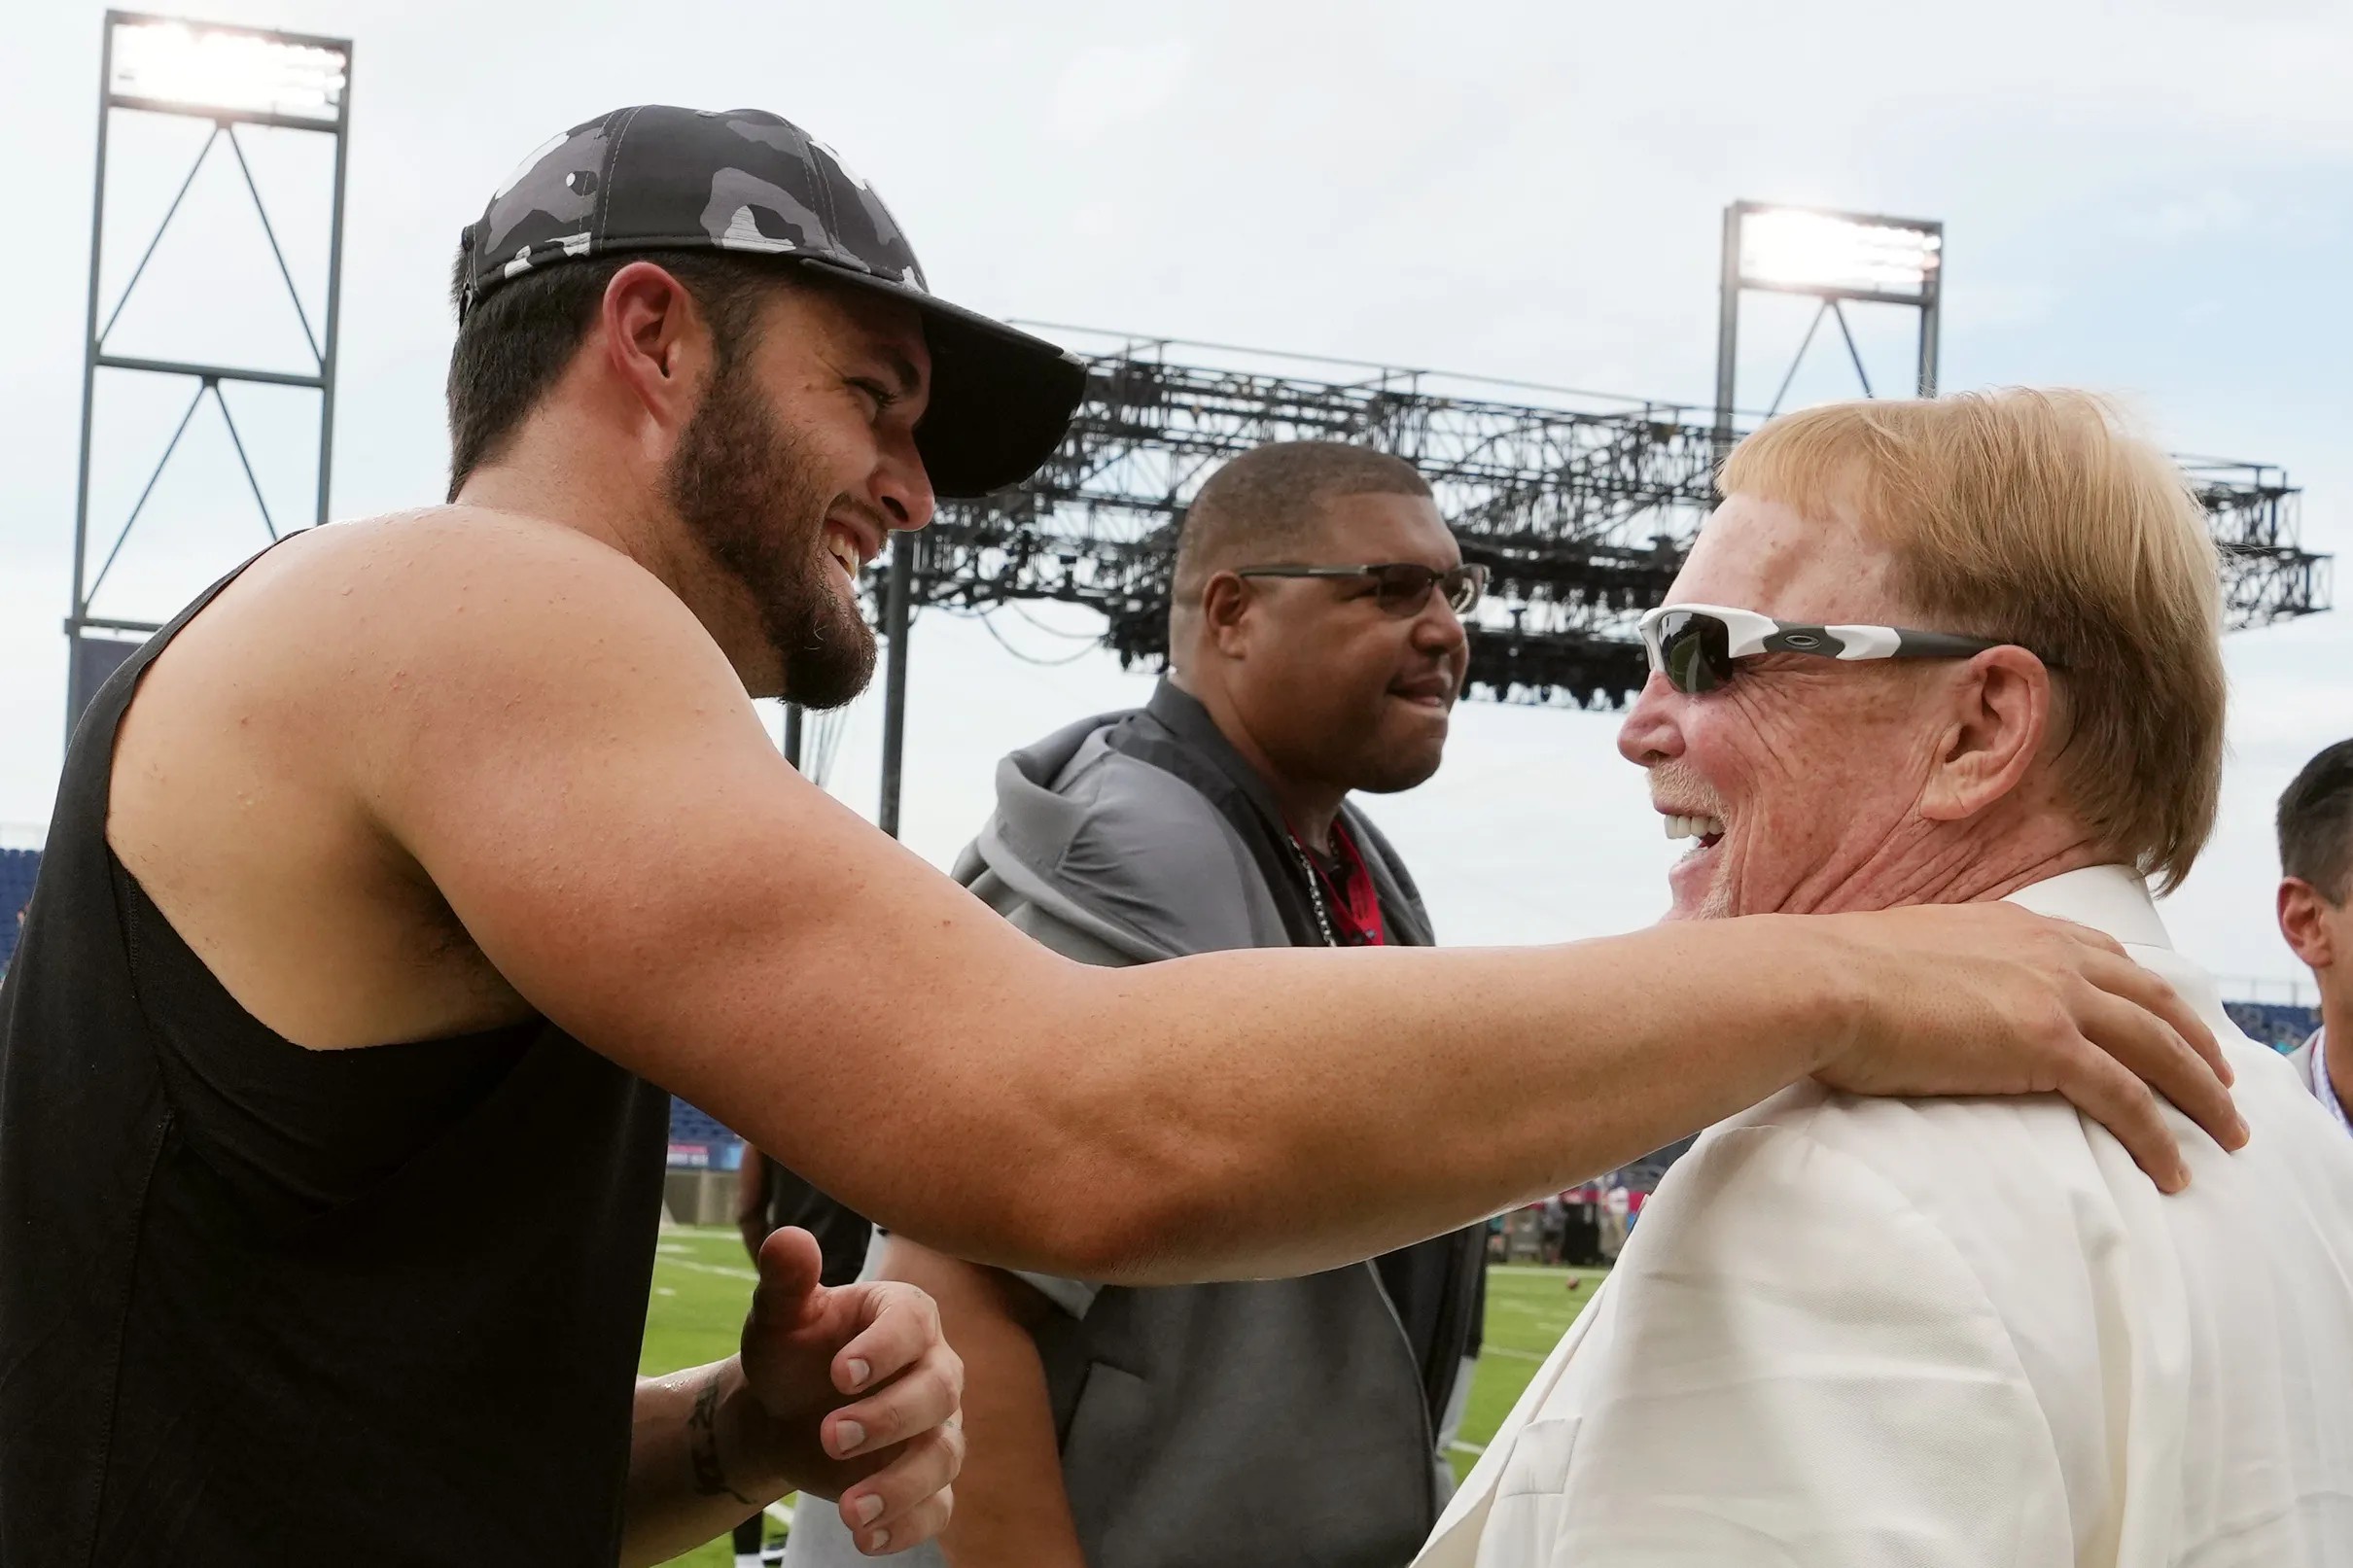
{"type": "Point", "coordinates": [1355, 908]}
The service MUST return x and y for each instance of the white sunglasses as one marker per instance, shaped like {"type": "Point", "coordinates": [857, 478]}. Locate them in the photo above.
{"type": "Point", "coordinates": [1695, 646]}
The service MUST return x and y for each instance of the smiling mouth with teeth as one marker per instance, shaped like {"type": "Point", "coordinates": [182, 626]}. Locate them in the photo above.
{"type": "Point", "coordinates": [843, 553]}
{"type": "Point", "coordinates": [1708, 830]}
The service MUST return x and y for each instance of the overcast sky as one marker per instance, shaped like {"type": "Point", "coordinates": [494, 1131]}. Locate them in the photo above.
{"type": "Point", "coordinates": [2152, 199]}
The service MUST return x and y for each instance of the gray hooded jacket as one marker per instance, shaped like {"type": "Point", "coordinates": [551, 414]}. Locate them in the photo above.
{"type": "Point", "coordinates": [1278, 1422]}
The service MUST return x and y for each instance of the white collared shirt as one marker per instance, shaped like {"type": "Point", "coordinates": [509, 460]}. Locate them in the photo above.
{"type": "Point", "coordinates": [2323, 1090]}
{"type": "Point", "coordinates": [1952, 1333]}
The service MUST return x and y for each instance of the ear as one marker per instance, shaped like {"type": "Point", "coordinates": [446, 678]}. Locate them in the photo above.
{"type": "Point", "coordinates": [654, 342]}
{"type": "Point", "coordinates": [1998, 716]}
{"type": "Point", "coordinates": [1225, 608]}
{"type": "Point", "coordinates": [2303, 920]}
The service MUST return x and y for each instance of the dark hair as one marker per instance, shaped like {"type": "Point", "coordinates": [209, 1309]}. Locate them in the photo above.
{"type": "Point", "coordinates": [2316, 824]}
{"type": "Point", "coordinates": [1268, 503]}
{"type": "Point", "coordinates": [516, 341]}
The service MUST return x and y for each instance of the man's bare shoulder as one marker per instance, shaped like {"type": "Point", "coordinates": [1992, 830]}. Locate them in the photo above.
{"type": "Point", "coordinates": [352, 693]}
{"type": "Point", "coordinates": [434, 611]}
{"type": "Point", "coordinates": [407, 577]}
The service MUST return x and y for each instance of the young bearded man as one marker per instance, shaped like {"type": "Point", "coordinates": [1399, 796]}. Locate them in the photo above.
{"type": "Point", "coordinates": [1316, 646]}
{"type": "Point", "coordinates": [416, 862]}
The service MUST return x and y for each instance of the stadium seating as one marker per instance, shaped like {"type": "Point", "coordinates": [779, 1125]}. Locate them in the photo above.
{"type": "Point", "coordinates": [698, 1142]}
{"type": "Point", "coordinates": [17, 869]}
{"type": "Point", "coordinates": [2281, 1025]}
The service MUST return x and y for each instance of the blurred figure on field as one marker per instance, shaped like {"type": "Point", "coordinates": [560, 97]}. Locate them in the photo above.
{"type": "Point", "coordinates": [2316, 915]}
{"type": "Point", "coordinates": [1316, 645]}
{"type": "Point", "coordinates": [1943, 652]}
{"type": "Point", "coordinates": [768, 1197]}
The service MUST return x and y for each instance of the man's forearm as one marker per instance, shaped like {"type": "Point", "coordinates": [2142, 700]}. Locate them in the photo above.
{"type": "Point", "coordinates": [1670, 1030]}
{"type": "Point", "coordinates": [689, 1476]}
{"type": "Point", "coordinates": [1077, 1130]}
{"type": "Point", "coordinates": [1271, 1113]}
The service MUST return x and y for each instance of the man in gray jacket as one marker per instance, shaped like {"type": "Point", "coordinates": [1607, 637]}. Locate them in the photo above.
{"type": "Point", "coordinates": [2316, 915]}
{"type": "Point", "coordinates": [1318, 647]}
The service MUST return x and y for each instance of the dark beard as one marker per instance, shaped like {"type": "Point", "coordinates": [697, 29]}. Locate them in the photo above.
{"type": "Point", "coordinates": [745, 488]}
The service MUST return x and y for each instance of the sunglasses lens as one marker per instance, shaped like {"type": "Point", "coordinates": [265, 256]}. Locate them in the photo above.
{"type": "Point", "coordinates": [1404, 588]}
{"type": "Point", "coordinates": [1694, 651]}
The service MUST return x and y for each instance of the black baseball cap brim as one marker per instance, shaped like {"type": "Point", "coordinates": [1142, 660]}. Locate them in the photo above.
{"type": "Point", "coordinates": [1001, 400]}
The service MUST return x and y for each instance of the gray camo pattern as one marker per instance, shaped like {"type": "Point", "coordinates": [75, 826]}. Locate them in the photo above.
{"type": "Point", "coordinates": [658, 177]}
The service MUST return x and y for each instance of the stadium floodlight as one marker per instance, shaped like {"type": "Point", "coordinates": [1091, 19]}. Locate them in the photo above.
{"type": "Point", "coordinates": [1838, 258]}
{"type": "Point", "coordinates": [200, 67]}
{"type": "Point", "coordinates": [1791, 248]}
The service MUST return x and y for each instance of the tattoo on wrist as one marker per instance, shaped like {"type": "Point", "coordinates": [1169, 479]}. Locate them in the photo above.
{"type": "Point", "coordinates": [702, 1443]}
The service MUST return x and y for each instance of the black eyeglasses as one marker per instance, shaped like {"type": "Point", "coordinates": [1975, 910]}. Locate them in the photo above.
{"type": "Point", "coordinates": [1697, 647]}
{"type": "Point", "coordinates": [1400, 587]}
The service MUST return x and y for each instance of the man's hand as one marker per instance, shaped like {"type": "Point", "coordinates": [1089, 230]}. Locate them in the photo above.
{"type": "Point", "coordinates": [1991, 999]}
{"type": "Point", "coordinates": [892, 1455]}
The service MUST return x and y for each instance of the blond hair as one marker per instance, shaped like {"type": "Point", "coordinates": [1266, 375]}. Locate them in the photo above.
{"type": "Point", "coordinates": [2034, 517]}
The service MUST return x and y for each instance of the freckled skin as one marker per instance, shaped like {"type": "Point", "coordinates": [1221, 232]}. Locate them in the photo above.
{"type": "Point", "coordinates": [1821, 770]}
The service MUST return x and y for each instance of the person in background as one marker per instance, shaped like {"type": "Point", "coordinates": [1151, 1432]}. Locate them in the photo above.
{"type": "Point", "coordinates": [770, 1198]}
{"type": "Point", "coordinates": [1317, 643]}
{"type": "Point", "coordinates": [1944, 652]}
{"type": "Point", "coordinates": [2315, 886]}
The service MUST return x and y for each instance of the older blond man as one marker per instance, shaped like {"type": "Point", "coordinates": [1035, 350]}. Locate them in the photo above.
{"type": "Point", "coordinates": [1941, 652]}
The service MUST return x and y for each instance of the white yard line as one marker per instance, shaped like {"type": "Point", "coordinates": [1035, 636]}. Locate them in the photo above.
{"type": "Point", "coordinates": [719, 1269]}
{"type": "Point", "coordinates": [1468, 1448]}
{"type": "Point", "coordinates": [1555, 1269]}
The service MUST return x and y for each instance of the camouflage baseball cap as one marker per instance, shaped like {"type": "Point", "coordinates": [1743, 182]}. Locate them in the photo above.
{"type": "Point", "coordinates": [658, 178]}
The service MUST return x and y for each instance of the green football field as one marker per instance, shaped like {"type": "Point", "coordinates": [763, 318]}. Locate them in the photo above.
{"type": "Point", "coordinates": [702, 1279]}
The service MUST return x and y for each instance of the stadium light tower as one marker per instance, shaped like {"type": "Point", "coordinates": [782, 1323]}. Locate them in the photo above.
{"type": "Point", "coordinates": [238, 79]}
{"type": "Point", "coordinates": [1840, 258]}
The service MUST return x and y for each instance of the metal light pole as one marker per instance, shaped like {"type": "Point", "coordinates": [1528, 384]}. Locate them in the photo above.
{"type": "Point", "coordinates": [238, 79]}
{"type": "Point", "coordinates": [898, 613]}
{"type": "Point", "coordinates": [1838, 258]}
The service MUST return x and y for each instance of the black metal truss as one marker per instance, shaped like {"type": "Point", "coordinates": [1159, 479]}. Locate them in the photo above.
{"type": "Point", "coordinates": [1582, 514]}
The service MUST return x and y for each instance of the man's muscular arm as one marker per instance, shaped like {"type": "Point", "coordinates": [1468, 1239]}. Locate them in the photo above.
{"type": "Point", "coordinates": [567, 756]}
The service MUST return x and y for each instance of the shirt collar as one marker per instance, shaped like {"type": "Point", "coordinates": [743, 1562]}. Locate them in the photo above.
{"type": "Point", "coordinates": [2113, 900]}
{"type": "Point", "coordinates": [2109, 898]}
{"type": "Point", "coordinates": [1186, 717]}
{"type": "Point", "coordinates": [2323, 1090]}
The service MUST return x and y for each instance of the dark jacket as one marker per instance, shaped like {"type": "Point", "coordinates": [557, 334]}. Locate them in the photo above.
{"type": "Point", "coordinates": [1276, 1422]}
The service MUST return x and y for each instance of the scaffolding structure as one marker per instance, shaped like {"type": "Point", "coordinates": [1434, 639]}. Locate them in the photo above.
{"type": "Point", "coordinates": [1582, 506]}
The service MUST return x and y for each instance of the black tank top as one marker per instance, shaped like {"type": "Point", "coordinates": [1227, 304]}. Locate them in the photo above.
{"type": "Point", "coordinates": [262, 1306]}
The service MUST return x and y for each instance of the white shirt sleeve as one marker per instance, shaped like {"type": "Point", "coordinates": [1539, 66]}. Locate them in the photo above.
{"type": "Point", "coordinates": [1801, 1369]}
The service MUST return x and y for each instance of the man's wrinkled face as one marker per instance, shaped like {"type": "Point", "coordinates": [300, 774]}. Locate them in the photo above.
{"type": "Point", "coordinates": [1803, 774]}
{"type": "Point", "coordinates": [1333, 687]}
{"type": "Point", "coordinates": [797, 467]}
